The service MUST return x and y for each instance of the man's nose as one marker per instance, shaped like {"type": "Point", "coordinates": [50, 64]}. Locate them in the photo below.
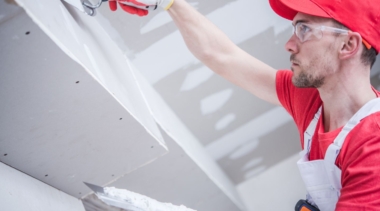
{"type": "Point", "coordinates": [291, 45]}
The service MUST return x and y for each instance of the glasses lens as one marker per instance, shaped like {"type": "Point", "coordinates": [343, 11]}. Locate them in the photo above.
{"type": "Point", "coordinates": [303, 31]}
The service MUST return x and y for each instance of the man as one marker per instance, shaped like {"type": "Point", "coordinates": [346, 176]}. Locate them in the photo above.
{"type": "Point", "coordinates": [328, 91]}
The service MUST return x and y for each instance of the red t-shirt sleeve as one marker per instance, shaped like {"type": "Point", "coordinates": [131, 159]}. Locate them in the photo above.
{"type": "Point", "coordinates": [301, 103]}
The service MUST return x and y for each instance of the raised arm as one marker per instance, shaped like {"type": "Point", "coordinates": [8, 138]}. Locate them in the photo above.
{"type": "Point", "coordinates": [210, 45]}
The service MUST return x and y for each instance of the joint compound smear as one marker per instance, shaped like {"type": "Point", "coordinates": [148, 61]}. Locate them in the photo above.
{"type": "Point", "coordinates": [138, 202]}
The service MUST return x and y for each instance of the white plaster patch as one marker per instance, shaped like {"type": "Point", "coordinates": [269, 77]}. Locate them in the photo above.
{"type": "Point", "coordinates": [254, 172]}
{"type": "Point", "coordinates": [215, 101]}
{"type": "Point", "coordinates": [244, 149]}
{"type": "Point", "coordinates": [225, 121]}
{"type": "Point", "coordinates": [252, 163]}
{"type": "Point", "coordinates": [196, 78]}
{"type": "Point", "coordinates": [157, 21]}
{"type": "Point", "coordinates": [260, 126]}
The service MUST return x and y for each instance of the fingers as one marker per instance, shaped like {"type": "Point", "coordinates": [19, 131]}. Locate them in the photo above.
{"type": "Point", "coordinates": [134, 10]}
{"type": "Point", "coordinates": [113, 5]}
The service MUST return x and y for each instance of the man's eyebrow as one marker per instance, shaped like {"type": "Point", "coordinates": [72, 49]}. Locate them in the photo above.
{"type": "Point", "coordinates": [300, 21]}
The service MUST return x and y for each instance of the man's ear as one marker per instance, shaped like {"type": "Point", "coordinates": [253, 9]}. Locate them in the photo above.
{"type": "Point", "coordinates": [352, 44]}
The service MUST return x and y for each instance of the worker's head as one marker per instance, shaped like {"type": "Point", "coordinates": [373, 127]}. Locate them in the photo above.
{"type": "Point", "coordinates": [329, 34]}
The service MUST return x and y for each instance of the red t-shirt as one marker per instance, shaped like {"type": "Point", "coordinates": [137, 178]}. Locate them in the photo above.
{"type": "Point", "coordinates": [359, 158]}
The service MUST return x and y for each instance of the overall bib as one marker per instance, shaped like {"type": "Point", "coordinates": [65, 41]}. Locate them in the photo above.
{"type": "Point", "coordinates": [322, 178]}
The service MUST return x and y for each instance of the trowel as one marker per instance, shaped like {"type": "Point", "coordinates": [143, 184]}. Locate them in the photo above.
{"type": "Point", "coordinates": [86, 6]}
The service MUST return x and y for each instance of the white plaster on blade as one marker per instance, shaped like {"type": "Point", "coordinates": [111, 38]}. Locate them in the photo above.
{"type": "Point", "coordinates": [196, 77]}
{"type": "Point", "coordinates": [132, 201]}
{"type": "Point", "coordinates": [252, 163]}
{"type": "Point", "coordinates": [160, 19]}
{"type": "Point", "coordinates": [254, 172]}
{"type": "Point", "coordinates": [215, 101]}
{"type": "Point", "coordinates": [260, 126]}
{"type": "Point", "coordinates": [244, 149]}
{"type": "Point", "coordinates": [225, 121]}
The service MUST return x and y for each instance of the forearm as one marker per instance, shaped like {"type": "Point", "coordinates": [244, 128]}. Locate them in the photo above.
{"type": "Point", "coordinates": [203, 38]}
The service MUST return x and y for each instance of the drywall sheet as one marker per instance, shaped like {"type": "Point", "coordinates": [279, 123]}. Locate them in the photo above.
{"type": "Point", "coordinates": [97, 30]}
{"type": "Point", "coordinates": [84, 40]}
{"type": "Point", "coordinates": [58, 124]}
{"type": "Point", "coordinates": [21, 192]}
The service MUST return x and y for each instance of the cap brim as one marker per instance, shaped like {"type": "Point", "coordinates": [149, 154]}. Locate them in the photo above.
{"type": "Point", "coordinates": [288, 9]}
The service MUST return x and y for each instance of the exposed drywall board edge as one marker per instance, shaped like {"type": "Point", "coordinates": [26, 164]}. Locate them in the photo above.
{"type": "Point", "coordinates": [177, 130]}
{"type": "Point", "coordinates": [278, 188]}
{"type": "Point", "coordinates": [154, 132]}
{"type": "Point", "coordinates": [21, 192]}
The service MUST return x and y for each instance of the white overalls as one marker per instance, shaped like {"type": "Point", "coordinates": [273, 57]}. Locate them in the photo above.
{"type": "Point", "coordinates": [322, 178]}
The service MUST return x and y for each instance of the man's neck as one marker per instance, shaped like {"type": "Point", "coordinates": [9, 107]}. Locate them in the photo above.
{"type": "Point", "coordinates": [343, 95]}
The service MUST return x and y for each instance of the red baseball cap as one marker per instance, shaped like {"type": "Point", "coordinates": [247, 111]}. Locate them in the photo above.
{"type": "Point", "coordinates": [362, 16]}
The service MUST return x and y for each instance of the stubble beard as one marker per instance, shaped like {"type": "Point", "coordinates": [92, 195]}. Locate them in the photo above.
{"type": "Point", "coordinates": [305, 79]}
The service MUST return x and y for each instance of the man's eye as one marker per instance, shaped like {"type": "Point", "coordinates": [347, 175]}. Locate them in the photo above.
{"type": "Point", "coordinates": [304, 28]}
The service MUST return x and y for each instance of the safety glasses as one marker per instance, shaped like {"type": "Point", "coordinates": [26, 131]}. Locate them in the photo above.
{"type": "Point", "coordinates": [306, 32]}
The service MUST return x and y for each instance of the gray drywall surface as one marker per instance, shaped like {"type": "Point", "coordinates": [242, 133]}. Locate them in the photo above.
{"type": "Point", "coordinates": [21, 192]}
{"type": "Point", "coordinates": [58, 124]}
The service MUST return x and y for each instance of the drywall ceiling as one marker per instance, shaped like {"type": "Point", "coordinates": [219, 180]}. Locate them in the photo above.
{"type": "Point", "coordinates": [242, 133]}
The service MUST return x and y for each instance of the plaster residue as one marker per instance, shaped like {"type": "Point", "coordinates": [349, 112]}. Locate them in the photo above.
{"type": "Point", "coordinates": [196, 77]}
{"type": "Point", "coordinates": [254, 172]}
{"type": "Point", "coordinates": [252, 163]}
{"type": "Point", "coordinates": [225, 121]}
{"type": "Point", "coordinates": [260, 126]}
{"type": "Point", "coordinates": [215, 101]}
{"type": "Point", "coordinates": [244, 149]}
{"type": "Point", "coordinates": [137, 202]}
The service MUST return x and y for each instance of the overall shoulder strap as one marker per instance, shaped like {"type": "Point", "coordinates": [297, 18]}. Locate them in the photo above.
{"type": "Point", "coordinates": [308, 134]}
{"type": "Point", "coordinates": [333, 150]}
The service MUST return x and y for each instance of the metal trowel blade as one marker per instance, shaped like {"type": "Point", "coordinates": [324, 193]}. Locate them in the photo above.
{"type": "Point", "coordinates": [95, 188]}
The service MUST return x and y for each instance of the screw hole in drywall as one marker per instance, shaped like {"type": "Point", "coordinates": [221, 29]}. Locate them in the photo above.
{"type": "Point", "coordinates": [113, 175]}
{"type": "Point", "coordinates": [80, 193]}
{"type": "Point", "coordinates": [151, 146]}
{"type": "Point", "coordinates": [5, 154]}
{"type": "Point", "coordinates": [28, 32]}
{"type": "Point", "coordinates": [77, 82]}
{"type": "Point", "coordinates": [46, 175]}
{"type": "Point", "coordinates": [120, 118]}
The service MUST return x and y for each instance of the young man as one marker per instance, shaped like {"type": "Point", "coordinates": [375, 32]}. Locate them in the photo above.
{"type": "Point", "coordinates": [328, 91]}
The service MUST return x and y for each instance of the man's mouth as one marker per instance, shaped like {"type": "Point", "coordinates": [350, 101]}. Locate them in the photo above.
{"type": "Point", "coordinates": [294, 63]}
